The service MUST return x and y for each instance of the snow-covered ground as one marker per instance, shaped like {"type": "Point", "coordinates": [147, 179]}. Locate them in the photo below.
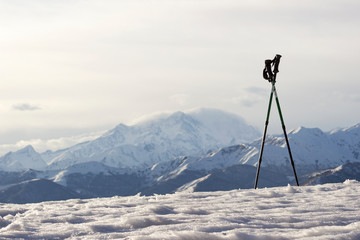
{"type": "Point", "coordinates": [330, 211]}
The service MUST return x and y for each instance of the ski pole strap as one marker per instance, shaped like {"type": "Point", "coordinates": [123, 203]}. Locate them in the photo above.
{"type": "Point", "coordinates": [268, 72]}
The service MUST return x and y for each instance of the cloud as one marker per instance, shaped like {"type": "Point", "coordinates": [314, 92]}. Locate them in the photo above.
{"type": "Point", "coordinates": [54, 144]}
{"type": "Point", "coordinates": [256, 90]}
{"type": "Point", "coordinates": [249, 97]}
{"type": "Point", "coordinates": [150, 117]}
{"type": "Point", "coordinates": [180, 99]}
{"type": "Point", "coordinates": [133, 55]}
{"type": "Point", "coordinates": [345, 96]}
{"type": "Point", "coordinates": [25, 107]}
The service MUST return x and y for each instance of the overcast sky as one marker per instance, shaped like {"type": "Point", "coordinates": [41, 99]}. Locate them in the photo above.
{"type": "Point", "coordinates": [77, 66]}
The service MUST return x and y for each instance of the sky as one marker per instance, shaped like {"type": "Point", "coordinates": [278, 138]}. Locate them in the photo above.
{"type": "Point", "coordinates": [72, 69]}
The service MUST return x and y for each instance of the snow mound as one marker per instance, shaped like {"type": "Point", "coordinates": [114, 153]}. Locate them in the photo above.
{"type": "Point", "coordinates": [266, 213]}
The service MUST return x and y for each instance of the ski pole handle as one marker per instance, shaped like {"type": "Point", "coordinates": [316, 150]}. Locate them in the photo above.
{"type": "Point", "coordinates": [276, 63]}
{"type": "Point", "coordinates": [268, 74]}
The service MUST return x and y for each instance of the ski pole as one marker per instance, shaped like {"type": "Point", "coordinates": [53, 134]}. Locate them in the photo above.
{"type": "Point", "coordinates": [270, 75]}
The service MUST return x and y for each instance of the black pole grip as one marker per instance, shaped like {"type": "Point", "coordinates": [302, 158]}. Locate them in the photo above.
{"type": "Point", "coordinates": [276, 63]}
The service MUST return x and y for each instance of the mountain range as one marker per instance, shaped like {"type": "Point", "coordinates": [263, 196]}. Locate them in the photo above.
{"type": "Point", "coordinates": [143, 144]}
{"type": "Point", "coordinates": [202, 150]}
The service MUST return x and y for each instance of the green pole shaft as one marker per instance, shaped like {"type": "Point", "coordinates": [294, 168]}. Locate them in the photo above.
{"type": "Point", "coordinates": [278, 106]}
{"type": "Point", "coordinates": [264, 136]}
{"type": "Point", "coordinates": [270, 101]}
{"type": "Point", "coordinates": [284, 130]}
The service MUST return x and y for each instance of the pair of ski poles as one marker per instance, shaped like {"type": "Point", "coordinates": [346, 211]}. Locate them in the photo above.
{"type": "Point", "coordinates": [269, 73]}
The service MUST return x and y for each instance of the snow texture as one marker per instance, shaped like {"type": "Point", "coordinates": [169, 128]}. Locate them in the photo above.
{"type": "Point", "coordinates": [330, 211]}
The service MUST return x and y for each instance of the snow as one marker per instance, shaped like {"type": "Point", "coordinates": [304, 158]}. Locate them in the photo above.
{"type": "Point", "coordinates": [158, 139]}
{"type": "Point", "coordinates": [195, 134]}
{"type": "Point", "coordinates": [83, 168]}
{"type": "Point", "coordinates": [330, 211]}
{"type": "Point", "coordinates": [22, 159]}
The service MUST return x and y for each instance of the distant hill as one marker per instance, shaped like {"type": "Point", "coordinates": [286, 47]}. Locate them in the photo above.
{"type": "Point", "coordinates": [36, 190]}
{"type": "Point", "coordinates": [335, 175]}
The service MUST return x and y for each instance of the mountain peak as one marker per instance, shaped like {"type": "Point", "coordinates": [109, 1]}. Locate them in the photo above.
{"type": "Point", "coordinates": [177, 114]}
{"type": "Point", "coordinates": [27, 149]}
{"type": "Point", "coordinates": [306, 131]}
{"type": "Point", "coordinates": [23, 159]}
{"type": "Point", "coordinates": [118, 128]}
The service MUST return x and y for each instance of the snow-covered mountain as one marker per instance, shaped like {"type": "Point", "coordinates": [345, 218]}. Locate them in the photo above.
{"type": "Point", "coordinates": [204, 137]}
{"type": "Point", "coordinates": [199, 137]}
{"type": "Point", "coordinates": [312, 150]}
{"type": "Point", "coordinates": [317, 157]}
{"type": "Point", "coordinates": [22, 159]}
{"type": "Point", "coordinates": [157, 140]}
{"type": "Point", "coordinates": [201, 150]}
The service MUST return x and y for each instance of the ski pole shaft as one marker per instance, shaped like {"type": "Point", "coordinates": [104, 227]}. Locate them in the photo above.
{"type": "Point", "coordinates": [264, 137]}
{"type": "Point", "coordinates": [291, 158]}
{"type": "Point", "coordinates": [285, 134]}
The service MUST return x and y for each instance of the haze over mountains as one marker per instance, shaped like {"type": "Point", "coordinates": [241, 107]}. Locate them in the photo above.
{"type": "Point", "coordinates": [204, 150]}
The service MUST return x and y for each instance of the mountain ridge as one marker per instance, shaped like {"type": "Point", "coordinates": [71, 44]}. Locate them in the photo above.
{"type": "Point", "coordinates": [312, 148]}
